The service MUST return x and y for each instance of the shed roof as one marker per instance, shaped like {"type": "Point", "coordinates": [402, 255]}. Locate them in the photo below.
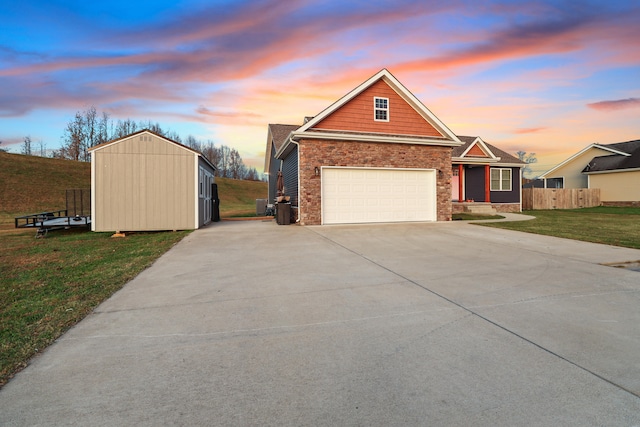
{"type": "Point", "coordinates": [117, 140]}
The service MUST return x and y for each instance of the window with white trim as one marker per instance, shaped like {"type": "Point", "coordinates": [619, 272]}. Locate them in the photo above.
{"type": "Point", "coordinates": [380, 109]}
{"type": "Point", "coordinates": [500, 179]}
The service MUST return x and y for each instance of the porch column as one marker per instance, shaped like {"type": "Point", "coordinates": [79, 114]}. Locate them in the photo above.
{"type": "Point", "coordinates": [460, 183]}
{"type": "Point", "coordinates": [487, 183]}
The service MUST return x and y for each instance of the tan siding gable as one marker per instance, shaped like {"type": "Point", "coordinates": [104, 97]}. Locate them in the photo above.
{"type": "Point", "coordinates": [357, 115]}
{"type": "Point", "coordinates": [144, 184]}
{"type": "Point", "coordinates": [572, 171]}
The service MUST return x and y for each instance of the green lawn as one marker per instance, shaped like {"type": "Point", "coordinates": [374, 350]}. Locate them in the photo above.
{"type": "Point", "coordinates": [608, 225]}
{"type": "Point", "coordinates": [48, 285]}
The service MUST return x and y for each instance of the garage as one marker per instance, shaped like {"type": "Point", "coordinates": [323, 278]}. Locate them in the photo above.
{"type": "Point", "coordinates": [367, 195]}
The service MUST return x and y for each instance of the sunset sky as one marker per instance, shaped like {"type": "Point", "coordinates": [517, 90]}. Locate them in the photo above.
{"type": "Point", "coordinates": [548, 77]}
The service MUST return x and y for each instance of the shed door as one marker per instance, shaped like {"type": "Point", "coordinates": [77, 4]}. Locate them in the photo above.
{"type": "Point", "coordinates": [364, 195]}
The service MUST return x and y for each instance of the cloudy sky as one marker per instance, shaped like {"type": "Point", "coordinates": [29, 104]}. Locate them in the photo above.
{"type": "Point", "coordinates": [541, 76]}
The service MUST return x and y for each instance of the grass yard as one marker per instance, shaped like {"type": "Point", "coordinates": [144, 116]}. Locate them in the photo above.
{"type": "Point", "coordinates": [238, 198]}
{"type": "Point", "coordinates": [608, 225]}
{"type": "Point", "coordinates": [48, 285]}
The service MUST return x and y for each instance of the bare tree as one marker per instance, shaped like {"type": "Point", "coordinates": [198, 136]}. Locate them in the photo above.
{"type": "Point", "coordinates": [125, 127]}
{"type": "Point", "coordinates": [236, 166]}
{"type": "Point", "coordinates": [528, 159]}
{"type": "Point", "coordinates": [90, 131]}
{"type": "Point", "coordinates": [26, 146]}
{"type": "Point", "coordinates": [74, 137]}
{"type": "Point", "coordinates": [192, 142]}
{"type": "Point", "coordinates": [252, 174]}
{"type": "Point", "coordinates": [105, 129]}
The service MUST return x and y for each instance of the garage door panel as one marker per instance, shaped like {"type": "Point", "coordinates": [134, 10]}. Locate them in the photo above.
{"type": "Point", "coordinates": [360, 195]}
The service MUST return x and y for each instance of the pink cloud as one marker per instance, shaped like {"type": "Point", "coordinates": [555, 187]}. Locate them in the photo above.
{"type": "Point", "coordinates": [618, 104]}
{"type": "Point", "coordinates": [529, 130]}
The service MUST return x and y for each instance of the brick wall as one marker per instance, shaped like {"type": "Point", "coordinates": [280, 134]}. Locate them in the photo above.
{"type": "Point", "coordinates": [318, 153]}
{"type": "Point", "coordinates": [499, 207]}
{"type": "Point", "coordinates": [507, 207]}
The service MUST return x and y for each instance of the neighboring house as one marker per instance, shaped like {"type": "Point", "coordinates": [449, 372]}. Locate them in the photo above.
{"type": "Point", "coordinates": [379, 155]}
{"type": "Point", "coordinates": [613, 168]}
{"type": "Point", "coordinates": [145, 182]}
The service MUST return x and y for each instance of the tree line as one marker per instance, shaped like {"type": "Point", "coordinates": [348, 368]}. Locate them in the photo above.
{"type": "Point", "coordinates": [89, 128]}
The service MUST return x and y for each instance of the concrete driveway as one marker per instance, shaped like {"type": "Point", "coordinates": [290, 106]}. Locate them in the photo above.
{"type": "Point", "coordinates": [444, 324]}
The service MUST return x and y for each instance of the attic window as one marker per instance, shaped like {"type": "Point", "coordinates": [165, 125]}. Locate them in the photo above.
{"type": "Point", "coordinates": [381, 109]}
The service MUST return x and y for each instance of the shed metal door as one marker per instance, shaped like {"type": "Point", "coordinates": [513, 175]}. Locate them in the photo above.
{"type": "Point", "coordinates": [367, 195]}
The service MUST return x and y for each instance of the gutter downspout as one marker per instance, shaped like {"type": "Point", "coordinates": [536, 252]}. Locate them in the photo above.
{"type": "Point", "coordinates": [299, 204]}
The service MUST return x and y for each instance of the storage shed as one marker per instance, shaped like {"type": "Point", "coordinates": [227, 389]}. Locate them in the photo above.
{"type": "Point", "coordinates": [146, 182]}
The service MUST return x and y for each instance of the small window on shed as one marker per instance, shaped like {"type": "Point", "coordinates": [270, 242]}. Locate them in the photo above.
{"type": "Point", "coordinates": [381, 109]}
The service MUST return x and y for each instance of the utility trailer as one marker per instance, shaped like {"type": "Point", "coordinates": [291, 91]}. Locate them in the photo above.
{"type": "Point", "coordinates": [76, 214]}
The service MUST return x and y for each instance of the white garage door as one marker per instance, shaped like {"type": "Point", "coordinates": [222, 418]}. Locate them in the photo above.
{"type": "Point", "coordinates": [361, 195]}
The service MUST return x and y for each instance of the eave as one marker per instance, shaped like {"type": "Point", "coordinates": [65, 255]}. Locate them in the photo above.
{"type": "Point", "coordinates": [398, 139]}
{"type": "Point", "coordinates": [612, 171]}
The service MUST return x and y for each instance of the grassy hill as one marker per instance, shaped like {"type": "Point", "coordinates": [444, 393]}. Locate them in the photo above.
{"type": "Point", "coordinates": [30, 184]}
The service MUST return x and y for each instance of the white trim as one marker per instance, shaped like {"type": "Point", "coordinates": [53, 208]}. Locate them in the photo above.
{"type": "Point", "coordinates": [563, 178]}
{"type": "Point", "coordinates": [371, 137]}
{"type": "Point", "coordinates": [478, 160]}
{"type": "Point", "coordinates": [520, 185]}
{"type": "Point", "coordinates": [93, 192]}
{"type": "Point", "coordinates": [483, 147]}
{"type": "Point", "coordinates": [612, 171]}
{"type": "Point", "coordinates": [197, 193]}
{"type": "Point", "coordinates": [500, 180]}
{"type": "Point", "coordinates": [579, 153]}
{"type": "Point", "coordinates": [376, 109]}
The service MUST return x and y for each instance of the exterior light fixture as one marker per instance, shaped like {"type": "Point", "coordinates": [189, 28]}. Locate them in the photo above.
{"type": "Point", "coordinates": [317, 171]}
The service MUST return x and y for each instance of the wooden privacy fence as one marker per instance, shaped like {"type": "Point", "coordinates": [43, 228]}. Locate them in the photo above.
{"type": "Point", "coordinates": [560, 198]}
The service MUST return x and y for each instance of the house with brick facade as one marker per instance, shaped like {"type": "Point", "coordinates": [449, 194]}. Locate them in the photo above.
{"type": "Point", "coordinates": [379, 155]}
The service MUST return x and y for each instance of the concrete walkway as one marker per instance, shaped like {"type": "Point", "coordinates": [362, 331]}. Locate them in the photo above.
{"type": "Point", "coordinates": [441, 324]}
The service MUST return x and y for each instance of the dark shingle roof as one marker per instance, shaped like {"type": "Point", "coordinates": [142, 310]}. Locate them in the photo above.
{"type": "Point", "coordinates": [279, 133]}
{"type": "Point", "coordinates": [617, 161]}
{"type": "Point", "coordinates": [468, 140]}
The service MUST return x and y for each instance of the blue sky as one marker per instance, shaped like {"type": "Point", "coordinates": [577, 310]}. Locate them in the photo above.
{"type": "Point", "coordinates": [541, 76]}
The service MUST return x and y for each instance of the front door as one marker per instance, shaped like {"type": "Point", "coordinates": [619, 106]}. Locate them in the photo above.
{"type": "Point", "coordinates": [455, 186]}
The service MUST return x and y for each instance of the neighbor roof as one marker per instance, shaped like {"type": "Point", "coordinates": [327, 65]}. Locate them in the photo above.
{"type": "Point", "coordinates": [615, 162]}
{"type": "Point", "coordinates": [612, 148]}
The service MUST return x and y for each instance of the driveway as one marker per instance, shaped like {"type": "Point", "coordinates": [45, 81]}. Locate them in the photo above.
{"type": "Point", "coordinates": [439, 324]}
